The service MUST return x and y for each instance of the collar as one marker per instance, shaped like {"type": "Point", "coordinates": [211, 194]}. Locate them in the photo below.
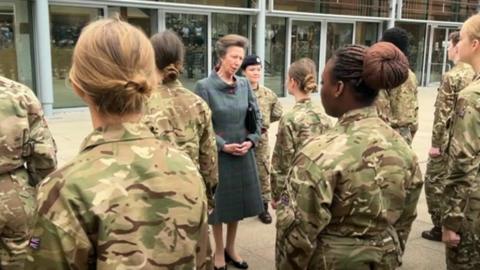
{"type": "Point", "coordinates": [221, 85]}
{"type": "Point", "coordinates": [304, 102]}
{"type": "Point", "coordinates": [358, 114]}
{"type": "Point", "coordinates": [128, 131]}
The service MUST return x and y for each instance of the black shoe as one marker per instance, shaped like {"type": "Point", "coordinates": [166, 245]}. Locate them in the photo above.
{"type": "Point", "coordinates": [265, 216]}
{"type": "Point", "coordinates": [220, 268]}
{"type": "Point", "coordinates": [435, 234]}
{"type": "Point", "coordinates": [239, 265]}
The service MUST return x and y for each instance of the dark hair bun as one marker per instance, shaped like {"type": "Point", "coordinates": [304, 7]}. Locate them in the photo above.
{"type": "Point", "coordinates": [384, 66]}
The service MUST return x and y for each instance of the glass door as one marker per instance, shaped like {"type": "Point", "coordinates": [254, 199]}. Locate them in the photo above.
{"type": "Point", "coordinates": [305, 40]}
{"type": "Point", "coordinates": [193, 30]}
{"type": "Point", "coordinates": [437, 57]}
{"type": "Point", "coordinates": [338, 35]}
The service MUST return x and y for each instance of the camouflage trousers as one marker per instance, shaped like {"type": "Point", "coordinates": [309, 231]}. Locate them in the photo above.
{"type": "Point", "coordinates": [345, 253]}
{"type": "Point", "coordinates": [434, 186]}
{"type": "Point", "coordinates": [262, 156]}
{"type": "Point", "coordinates": [18, 204]}
{"type": "Point", "coordinates": [466, 256]}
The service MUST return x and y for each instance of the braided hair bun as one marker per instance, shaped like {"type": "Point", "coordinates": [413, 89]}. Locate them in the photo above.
{"type": "Point", "coordinates": [384, 66]}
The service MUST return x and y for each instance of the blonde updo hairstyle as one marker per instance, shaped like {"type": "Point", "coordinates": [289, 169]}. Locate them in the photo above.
{"type": "Point", "coordinates": [169, 54]}
{"type": "Point", "coordinates": [304, 72]}
{"type": "Point", "coordinates": [472, 27]}
{"type": "Point", "coordinates": [113, 64]}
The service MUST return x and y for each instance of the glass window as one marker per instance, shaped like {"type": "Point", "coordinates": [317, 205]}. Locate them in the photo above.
{"type": "Point", "coordinates": [366, 33]}
{"type": "Point", "coordinates": [224, 24]}
{"type": "Point", "coordinates": [66, 23]}
{"type": "Point", "coordinates": [228, 3]}
{"type": "Point", "coordinates": [146, 19]}
{"type": "Point", "coordinates": [16, 42]}
{"type": "Point", "coordinates": [445, 10]}
{"type": "Point", "coordinates": [192, 29]}
{"type": "Point", "coordinates": [416, 35]}
{"type": "Point", "coordinates": [275, 46]}
{"type": "Point", "coordinates": [338, 35]}
{"type": "Point", "coordinates": [376, 8]}
{"type": "Point", "coordinates": [305, 40]}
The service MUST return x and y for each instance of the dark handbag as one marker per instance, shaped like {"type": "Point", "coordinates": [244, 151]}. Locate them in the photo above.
{"type": "Point", "coordinates": [251, 118]}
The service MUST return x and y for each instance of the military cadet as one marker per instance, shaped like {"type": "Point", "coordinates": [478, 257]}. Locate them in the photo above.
{"type": "Point", "coordinates": [399, 106]}
{"type": "Point", "coordinates": [461, 214]}
{"type": "Point", "coordinates": [306, 120]}
{"type": "Point", "coordinates": [453, 81]}
{"type": "Point", "coordinates": [28, 154]}
{"type": "Point", "coordinates": [176, 114]}
{"type": "Point", "coordinates": [271, 111]}
{"type": "Point", "coordinates": [128, 200]}
{"type": "Point", "coordinates": [352, 192]}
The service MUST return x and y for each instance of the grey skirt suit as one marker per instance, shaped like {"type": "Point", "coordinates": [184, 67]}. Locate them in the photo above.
{"type": "Point", "coordinates": [238, 192]}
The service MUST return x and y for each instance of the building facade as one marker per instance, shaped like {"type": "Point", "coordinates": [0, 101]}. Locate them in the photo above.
{"type": "Point", "coordinates": [37, 37]}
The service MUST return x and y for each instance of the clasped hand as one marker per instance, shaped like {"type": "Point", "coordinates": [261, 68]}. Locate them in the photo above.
{"type": "Point", "coordinates": [237, 149]}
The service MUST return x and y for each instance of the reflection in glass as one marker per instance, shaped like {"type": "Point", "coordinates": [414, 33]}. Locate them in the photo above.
{"type": "Point", "coordinates": [377, 8]}
{"type": "Point", "coordinates": [446, 10]}
{"type": "Point", "coordinates": [416, 38]}
{"type": "Point", "coordinates": [146, 19]}
{"type": "Point", "coordinates": [8, 58]}
{"type": "Point", "coordinates": [192, 29]}
{"type": "Point", "coordinates": [224, 24]}
{"type": "Point", "coordinates": [275, 46]}
{"type": "Point", "coordinates": [66, 24]}
{"type": "Point", "coordinates": [227, 3]}
{"type": "Point", "coordinates": [338, 35]}
{"type": "Point", "coordinates": [438, 49]}
{"type": "Point", "coordinates": [305, 40]}
{"type": "Point", "coordinates": [366, 33]}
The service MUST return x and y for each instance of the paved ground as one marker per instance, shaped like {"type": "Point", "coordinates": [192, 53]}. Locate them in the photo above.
{"type": "Point", "coordinates": [257, 241]}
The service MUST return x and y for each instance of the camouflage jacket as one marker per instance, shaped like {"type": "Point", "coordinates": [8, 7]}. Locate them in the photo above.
{"type": "Point", "coordinates": [462, 184]}
{"type": "Point", "coordinates": [399, 107]}
{"type": "Point", "coordinates": [127, 201]}
{"type": "Point", "coordinates": [453, 81]}
{"type": "Point", "coordinates": [356, 180]}
{"type": "Point", "coordinates": [24, 134]}
{"type": "Point", "coordinates": [269, 105]}
{"type": "Point", "coordinates": [178, 115]}
{"type": "Point", "coordinates": [304, 121]}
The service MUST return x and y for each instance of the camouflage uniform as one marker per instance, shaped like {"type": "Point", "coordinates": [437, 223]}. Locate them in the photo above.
{"type": "Point", "coordinates": [399, 107]}
{"type": "Point", "coordinates": [351, 198]}
{"type": "Point", "coordinates": [304, 121]}
{"type": "Point", "coordinates": [27, 155]}
{"type": "Point", "coordinates": [461, 211]}
{"type": "Point", "coordinates": [127, 201]}
{"type": "Point", "coordinates": [176, 114]}
{"type": "Point", "coordinates": [271, 111]}
{"type": "Point", "coordinates": [453, 81]}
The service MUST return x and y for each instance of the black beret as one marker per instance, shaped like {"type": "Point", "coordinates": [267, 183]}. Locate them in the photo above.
{"type": "Point", "coordinates": [250, 60]}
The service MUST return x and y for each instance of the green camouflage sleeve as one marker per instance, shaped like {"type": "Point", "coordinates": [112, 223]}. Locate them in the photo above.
{"type": "Point", "coordinates": [208, 158]}
{"type": "Point", "coordinates": [464, 161]}
{"type": "Point", "coordinates": [303, 214]}
{"type": "Point", "coordinates": [282, 157]}
{"type": "Point", "coordinates": [58, 247]}
{"type": "Point", "coordinates": [277, 110]}
{"type": "Point", "coordinates": [43, 159]}
{"type": "Point", "coordinates": [404, 109]}
{"type": "Point", "coordinates": [443, 110]}
{"type": "Point", "coordinates": [413, 189]}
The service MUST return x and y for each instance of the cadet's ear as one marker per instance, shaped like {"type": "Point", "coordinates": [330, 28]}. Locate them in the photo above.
{"type": "Point", "coordinates": [339, 89]}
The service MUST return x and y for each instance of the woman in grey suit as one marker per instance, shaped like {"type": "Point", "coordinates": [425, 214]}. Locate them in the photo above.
{"type": "Point", "coordinates": [238, 193]}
